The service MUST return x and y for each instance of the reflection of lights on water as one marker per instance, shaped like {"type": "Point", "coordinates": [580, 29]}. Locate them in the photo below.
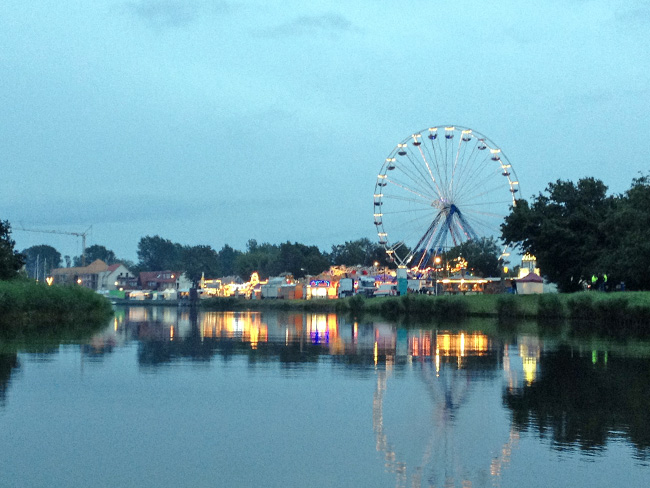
{"type": "Point", "coordinates": [530, 369]}
{"type": "Point", "coordinates": [375, 352]}
{"type": "Point", "coordinates": [171, 333]}
{"type": "Point", "coordinates": [238, 324]}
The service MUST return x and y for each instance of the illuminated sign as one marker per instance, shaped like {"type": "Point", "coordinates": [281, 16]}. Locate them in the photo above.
{"type": "Point", "coordinates": [322, 283]}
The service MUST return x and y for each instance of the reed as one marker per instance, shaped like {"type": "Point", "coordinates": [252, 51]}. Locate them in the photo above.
{"type": "Point", "coordinates": [27, 305]}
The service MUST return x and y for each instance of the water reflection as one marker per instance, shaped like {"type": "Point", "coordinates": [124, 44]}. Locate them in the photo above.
{"type": "Point", "coordinates": [477, 397]}
{"type": "Point", "coordinates": [8, 364]}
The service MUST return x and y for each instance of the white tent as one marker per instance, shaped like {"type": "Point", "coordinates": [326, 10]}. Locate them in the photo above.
{"type": "Point", "coordinates": [530, 284]}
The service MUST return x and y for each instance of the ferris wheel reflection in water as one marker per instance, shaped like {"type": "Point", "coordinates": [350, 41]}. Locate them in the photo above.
{"type": "Point", "coordinates": [448, 364]}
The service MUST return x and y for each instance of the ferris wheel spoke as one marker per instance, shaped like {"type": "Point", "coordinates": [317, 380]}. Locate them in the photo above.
{"type": "Point", "coordinates": [417, 180]}
{"type": "Point", "coordinates": [470, 170]}
{"type": "Point", "coordinates": [415, 190]}
{"type": "Point", "coordinates": [437, 161]}
{"type": "Point", "coordinates": [476, 173]}
{"type": "Point", "coordinates": [494, 190]}
{"type": "Point", "coordinates": [413, 158]}
{"type": "Point", "coordinates": [485, 225]}
{"type": "Point", "coordinates": [428, 167]}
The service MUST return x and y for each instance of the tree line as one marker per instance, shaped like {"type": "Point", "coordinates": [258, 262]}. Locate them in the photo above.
{"type": "Point", "coordinates": [157, 253]}
{"type": "Point", "coordinates": [577, 231]}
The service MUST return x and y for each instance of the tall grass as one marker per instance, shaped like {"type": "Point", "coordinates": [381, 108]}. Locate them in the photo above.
{"type": "Point", "coordinates": [550, 307]}
{"type": "Point", "coordinates": [29, 306]}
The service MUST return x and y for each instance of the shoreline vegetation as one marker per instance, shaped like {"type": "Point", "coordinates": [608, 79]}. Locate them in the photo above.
{"type": "Point", "coordinates": [28, 308]}
{"type": "Point", "coordinates": [613, 314]}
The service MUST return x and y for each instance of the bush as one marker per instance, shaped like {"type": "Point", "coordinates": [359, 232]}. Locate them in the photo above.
{"type": "Point", "coordinates": [581, 307]}
{"type": "Point", "coordinates": [507, 307]}
{"type": "Point", "coordinates": [550, 306]}
{"type": "Point", "coordinates": [446, 308]}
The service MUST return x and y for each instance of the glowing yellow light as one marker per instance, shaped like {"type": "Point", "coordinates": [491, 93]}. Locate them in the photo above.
{"type": "Point", "coordinates": [390, 160]}
{"type": "Point", "coordinates": [375, 353]}
{"type": "Point", "coordinates": [381, 176]}
{"type": "Point", "coordinates": [379, 195]}
{"type": "Point", "coordinates": [79, 281]}
{"type": "Point", "coordinates": [530, 369]}
{"type": "Point", "coordinates": [49, 280]}
{"type": "Point", "coordinates": [467, 131]}
{"type": "Point", "coordinates": [449, 128]}
{"type": "Point", "coordinates": [495, 151]}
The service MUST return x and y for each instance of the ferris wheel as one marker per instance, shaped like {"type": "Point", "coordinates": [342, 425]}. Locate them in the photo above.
{"type": "Point", "coordinates": [439, 188]}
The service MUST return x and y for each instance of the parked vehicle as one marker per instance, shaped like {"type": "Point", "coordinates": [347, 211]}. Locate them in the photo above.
{"type": "Point", "coordinates": [346, 287]}
{"type": "Point", "coordinates": [366, 286]}
{"type": "Point", "coordinates": [386, 290]}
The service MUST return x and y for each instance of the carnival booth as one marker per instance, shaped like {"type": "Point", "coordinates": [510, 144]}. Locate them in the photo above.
{"type": "Point", "coordinates": [530, 284]}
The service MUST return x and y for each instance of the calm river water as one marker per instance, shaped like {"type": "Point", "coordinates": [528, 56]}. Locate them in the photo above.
{"type": "Point", "coordinates": [166, 397]}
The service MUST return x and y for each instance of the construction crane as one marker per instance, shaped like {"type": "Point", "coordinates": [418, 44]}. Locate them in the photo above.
{"type": "Point", "coordinates": [77, 234]}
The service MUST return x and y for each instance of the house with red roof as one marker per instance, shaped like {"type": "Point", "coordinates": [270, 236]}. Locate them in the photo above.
{"type": "Point", "coordinates": [164, 280]}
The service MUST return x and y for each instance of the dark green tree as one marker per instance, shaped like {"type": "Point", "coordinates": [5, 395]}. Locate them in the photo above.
{"type": "Point", "coordinates": [227, 259]}
{"type": "Point", "coordinates": [260, 258]}
{"type": "Point", "coordinates": [95, 252]}
{"type": "Point", "coordinates": [157, 254]}
{"type": "Point", "coordinates": [200, 260]}
{"type": "Point", "coordinates": [301, 260]}
{"type": "Point", "coordinates": [10, 260]}
{"type": "Point", "coordinates": [360, 252]}
{"type": "Point", "coordinates": [627, 248]}
{"type": "Point", "coordinates": [565, 228]}
{"type": "Point", "coordinates": [482, 256]}
{"type": "Point", "coordinates": [40, 260]}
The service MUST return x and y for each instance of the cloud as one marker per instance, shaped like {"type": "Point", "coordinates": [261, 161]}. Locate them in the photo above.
{"type": "Point", "coordinates": [330, 23]}
{"type": "Point", "coordinates": [175, 13]}
{"type": "Point", "coordinates": [164, 13]}
{"type": "Point", "coordinates": [637, 17]}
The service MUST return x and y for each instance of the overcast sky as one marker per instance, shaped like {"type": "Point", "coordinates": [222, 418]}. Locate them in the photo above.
{"type": "Point", "coordinates": [217, 122]}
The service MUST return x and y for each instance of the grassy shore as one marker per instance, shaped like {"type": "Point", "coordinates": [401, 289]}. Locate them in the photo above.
{"type": "Point", "coordinates": [609, 313]}
{"type": "Point", "coordinates": [27, 308]}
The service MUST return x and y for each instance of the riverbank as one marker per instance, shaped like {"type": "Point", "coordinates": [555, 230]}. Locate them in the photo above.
{"type": "Point", "coordinates": [609, 313]}
{"type": "Point", "coordinates": [28, 307]}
